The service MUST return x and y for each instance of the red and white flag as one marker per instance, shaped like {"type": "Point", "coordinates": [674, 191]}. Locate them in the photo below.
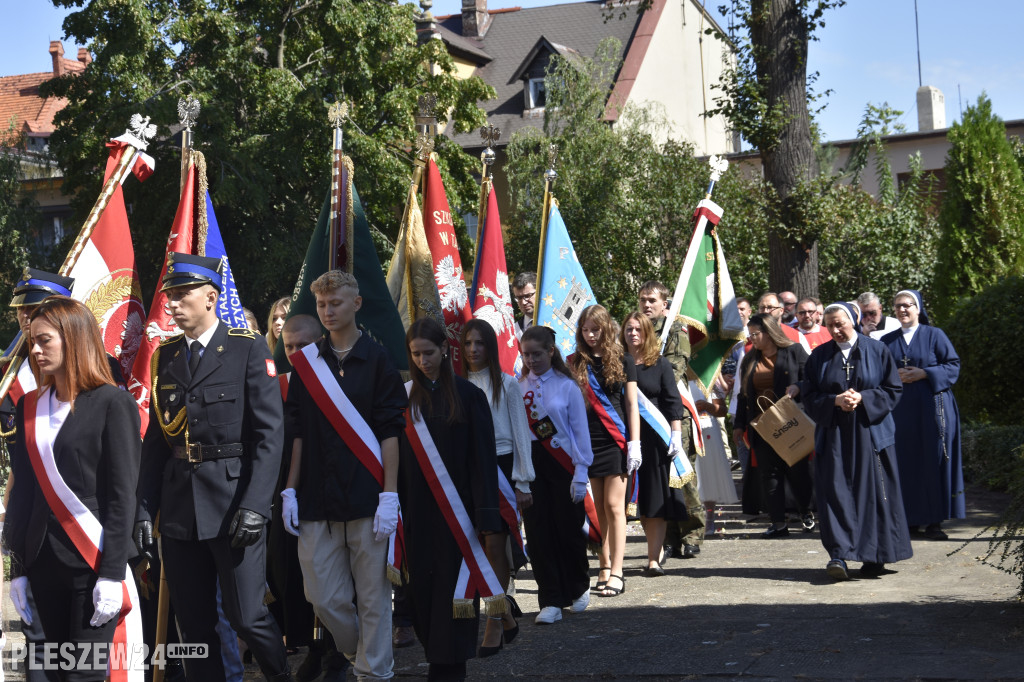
{"type": "Point", "coordinates": [106, 280]}
{"type": "Point", "coordinates": [160, 326]}
{"type": "Point", "coordinates": [491, 298]}
{"type": "Point", "coordinates": [444, 251]}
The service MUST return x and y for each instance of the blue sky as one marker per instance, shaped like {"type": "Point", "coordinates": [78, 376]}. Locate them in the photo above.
{"type": "Point", "coordinates": [866, 53]}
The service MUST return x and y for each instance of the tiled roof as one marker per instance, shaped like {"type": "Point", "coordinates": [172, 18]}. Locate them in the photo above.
{"type": "Point", "coordinates": [21, 104]}
{"type": "Point", "coordinates": [510, 37]}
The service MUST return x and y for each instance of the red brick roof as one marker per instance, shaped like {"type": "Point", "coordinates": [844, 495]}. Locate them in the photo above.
{"type": "Point", "coordinates": [21, 105]}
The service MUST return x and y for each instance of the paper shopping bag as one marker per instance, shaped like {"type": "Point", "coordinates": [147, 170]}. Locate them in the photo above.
{"type": "Point", "coordinates": [785, 427]}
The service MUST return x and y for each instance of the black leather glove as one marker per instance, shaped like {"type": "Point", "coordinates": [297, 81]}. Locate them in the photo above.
{"type": "Point", "coordinates": [144, 542]}
{"type": "Point", "coordinates": [246, 528]}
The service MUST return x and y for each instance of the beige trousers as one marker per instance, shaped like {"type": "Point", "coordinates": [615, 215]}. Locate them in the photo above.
{"type": "Point", "coordinates": [342, 566]}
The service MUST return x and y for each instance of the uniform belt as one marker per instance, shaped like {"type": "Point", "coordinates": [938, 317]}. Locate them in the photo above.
{"type": "Point", "coordinates": [197, 452]}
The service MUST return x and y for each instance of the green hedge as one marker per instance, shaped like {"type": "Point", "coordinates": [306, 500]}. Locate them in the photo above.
{"type": "Point", "coordinates": [986, 332]}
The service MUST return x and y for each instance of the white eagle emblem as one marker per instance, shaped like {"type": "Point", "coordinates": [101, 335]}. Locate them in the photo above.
{"type": "Point", "coordinates": [499, 313]}
{"type": "Point", "coordinates": [450, 287]}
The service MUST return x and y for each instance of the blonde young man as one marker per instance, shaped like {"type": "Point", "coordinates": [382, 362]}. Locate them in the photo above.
{"type": "Point", "coordinates": [341, 510]}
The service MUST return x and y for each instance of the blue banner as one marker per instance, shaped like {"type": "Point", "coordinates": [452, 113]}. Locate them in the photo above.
{"type": "Point", "coordinates": [229, 305]}
{"type": "Point", "coordinates": [563, 291]}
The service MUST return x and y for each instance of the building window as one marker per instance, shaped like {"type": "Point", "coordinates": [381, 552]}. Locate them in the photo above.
{"type": "Point", "coordinates": [536, 94]}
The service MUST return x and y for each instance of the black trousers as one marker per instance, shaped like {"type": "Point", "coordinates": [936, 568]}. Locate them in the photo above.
{"type": "Point", "coordinates": [774, 475]}
{"type": "Point", "coordinates": [63, 608]}
{"type": "Point", "coordinates": [193, 567]}
{"type": "Point", "coordinates": [554, 534]}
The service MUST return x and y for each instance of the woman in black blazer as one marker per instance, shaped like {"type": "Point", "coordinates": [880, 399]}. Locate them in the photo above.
{"type": "Point", "coordinates": [73, 501]}
{"type": "Point", "coordinates": [772, 368]}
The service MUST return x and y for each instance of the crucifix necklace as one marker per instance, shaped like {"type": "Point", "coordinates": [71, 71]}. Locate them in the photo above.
{"type": "Point", "coordinates": [847, 367]}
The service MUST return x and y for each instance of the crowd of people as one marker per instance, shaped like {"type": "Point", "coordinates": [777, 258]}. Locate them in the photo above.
{"type": "Point", "coordinates": [385, 512]}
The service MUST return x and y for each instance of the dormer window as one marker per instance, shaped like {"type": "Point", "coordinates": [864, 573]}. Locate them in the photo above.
{"type": "Point", "coordinates": [536, 94]}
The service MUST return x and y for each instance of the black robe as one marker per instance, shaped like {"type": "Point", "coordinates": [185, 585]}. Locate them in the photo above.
{"type": "Point", "coordinates": [856, 476]}
{"type": "Point", "coordinates": [434, 558]}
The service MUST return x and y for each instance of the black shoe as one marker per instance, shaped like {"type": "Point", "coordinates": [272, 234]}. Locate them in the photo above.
{"type": "Point", "coordinates": [513, 608]}
{"type": "Point", "coordinates": [655, 571]}
{"type": "Point", "coordinates": [488, 651]}
{"type": "Point", "coordinates": [691, 551]}
{"type": "Point", "coordinates": [935, 532]}
{"type": "Point", "coordinates": [808, 522]}
{"type": "Point", "coordinates": [774, 532]}
{"type": "Point", "coordinates": [311, 666]}
{"type": "Point", "coordinates": [870, 569]}
{"type": "Point", "coordinates": [336, 667]}
{"type": "Point", "coordinates": [674, 551]}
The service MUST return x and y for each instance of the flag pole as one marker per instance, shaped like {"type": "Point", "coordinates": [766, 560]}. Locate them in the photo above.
{"type": "Point", "coordinates": [426, 129]}
{"type": "Point", "coordinates": [490, 136]}
{"type": "Point", "coordinates": [136, 139]}
{"type": "Point", "coordinates": [550, 175]}
{"type": "Point", "coordinates": [718, 166]}
{"type": "Point", "coordinates": [336, 114]}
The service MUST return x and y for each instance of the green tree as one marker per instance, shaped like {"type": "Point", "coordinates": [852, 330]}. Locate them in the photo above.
{"type": "Point", "coordinates": [627, 199]}
{"type": "Point", "coordinates": [18, 218]}
{"type": "Point", "coordinates": [264, 73]}
{"type": "Point", "coordinates": [982, 217]}
{"type": "Point", "coordinates": [764, 96]}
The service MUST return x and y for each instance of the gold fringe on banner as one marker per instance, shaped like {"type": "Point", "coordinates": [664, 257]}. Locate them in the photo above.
{"type": "Point", "coordinates": [463, 608]}
{"type": "Point", "coordinates": [496, 606]}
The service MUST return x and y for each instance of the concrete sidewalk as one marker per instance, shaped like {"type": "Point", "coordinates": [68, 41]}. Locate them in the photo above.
{"type": "Point", "coordinates": [765, 609]}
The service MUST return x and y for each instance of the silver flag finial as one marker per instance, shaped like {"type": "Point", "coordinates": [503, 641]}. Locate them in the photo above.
{"type": "Point", "coordinates": [140, 131]}
{"type": "Point", "coordinates": [188, 111]}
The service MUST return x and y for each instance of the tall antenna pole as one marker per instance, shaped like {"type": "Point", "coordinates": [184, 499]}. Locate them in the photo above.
{"type": "Point", "coordinates": [917, 32]}
{"type": "Point", "coordinates": [550, 175]}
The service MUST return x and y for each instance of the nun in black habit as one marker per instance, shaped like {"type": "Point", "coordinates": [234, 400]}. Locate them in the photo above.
{"type": "Point", "coordinates": [851, 386]}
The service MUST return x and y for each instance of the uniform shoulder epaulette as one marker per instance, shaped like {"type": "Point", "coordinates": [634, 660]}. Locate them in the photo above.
{"type": "Point", "coordinates": [171, 340]}
{"type": "Point", "coordinates": [239, 331]}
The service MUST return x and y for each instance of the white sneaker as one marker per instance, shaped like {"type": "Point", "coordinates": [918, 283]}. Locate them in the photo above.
{"type": "Point", "coordinates": [581, 603]}
{"type": "Point", "coordinates": [548, 615]}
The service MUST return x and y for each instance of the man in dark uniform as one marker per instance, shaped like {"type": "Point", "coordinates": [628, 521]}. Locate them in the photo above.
{"type": "Point", "coordinates": [30, 290]}
{"type": "Point", "coordinates": [210, 460]}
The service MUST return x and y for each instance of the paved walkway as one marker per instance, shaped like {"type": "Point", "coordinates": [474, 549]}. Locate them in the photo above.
{"type": "Point", "coordinates": [764, 609]}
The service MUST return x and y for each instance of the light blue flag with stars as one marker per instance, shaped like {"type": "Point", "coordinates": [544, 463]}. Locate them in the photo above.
{"type": "Point", "coordinates": [563, 290]}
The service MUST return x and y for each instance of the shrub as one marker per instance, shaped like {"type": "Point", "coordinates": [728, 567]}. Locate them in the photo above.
{"type": "Point", "coordinates": [985, 330]}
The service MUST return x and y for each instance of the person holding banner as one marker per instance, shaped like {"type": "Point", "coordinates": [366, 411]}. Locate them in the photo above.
{"type": "Point", "coordinates": [851, 388]}
{"type": "Point", "coordinates": [607, 376]}
{"type": "Point", "coordinates": [73, 499]}
{"type": "Point", "coordinates": [515, 467]}
{"type": "Point", "coordinates": [558, 523]}
{"type": "Point", "coordinates": [661, 406]}
{"type": "Point", "coordinates": [344, 410]}
{"type": "Point", "coordinates": [774, 367]}
{"type": "Point", "coordinates": [448, 485]}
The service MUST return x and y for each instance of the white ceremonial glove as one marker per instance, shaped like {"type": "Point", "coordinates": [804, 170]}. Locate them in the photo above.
{"type": "Point", "coordinates": [106, 599]}
{"type": "Point", "coordinates": [385, 521]}
{"type": "Point", "coordinates": [19, 595]}
{"type": "Point", "coordinates": [290, 511]}
{"type": "Point", "coordinates": [633, 457]}
{"type": "Point", "coordinates": [578, 487]}
{"type": "Point", "coordinates": [675, 445]}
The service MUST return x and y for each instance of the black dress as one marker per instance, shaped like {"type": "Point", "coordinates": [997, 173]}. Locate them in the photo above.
{"type": "Point", "coordinates": [434, 558]}
{"type": "Point", "coordinates": [609, 458]}
{"type": "Point", "coordinates": [655, 499]}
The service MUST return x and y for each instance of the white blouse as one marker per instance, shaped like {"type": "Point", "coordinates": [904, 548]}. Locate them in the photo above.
{"type": "Point", "coordinates": [511, 428]}
{"type": "Point", "coordinates": [559, 397]}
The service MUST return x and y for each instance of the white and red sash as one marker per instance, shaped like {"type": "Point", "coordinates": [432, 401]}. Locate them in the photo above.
{"type": "Point", "coordinates": [282, 380]}
{"type": "Point", "coordinates": [476, 577]}
{"type": "Point", "coordinates": [508, 508]}
{"type": "Point", "coordinates": [319, 380]}
{"type": "Point", "coordinates": [591, 526]}
{"type": "Point", "coordinates": [86, 533]}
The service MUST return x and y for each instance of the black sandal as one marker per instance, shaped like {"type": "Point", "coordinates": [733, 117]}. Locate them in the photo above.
{"type": "Point", "coordinates": [614, 591]}
{"type": "Point", "coordinates": [513, 608]}
{"type": "Point", "coordinates": [599, 586]}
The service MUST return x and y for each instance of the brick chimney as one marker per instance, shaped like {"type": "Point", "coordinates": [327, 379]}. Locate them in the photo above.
{"type": "Point", "coordinates": [57, 54]}
{"type": "Point", "coordinates": [475, 18]}
{"type": "Point", "coordinates": [84, 56]}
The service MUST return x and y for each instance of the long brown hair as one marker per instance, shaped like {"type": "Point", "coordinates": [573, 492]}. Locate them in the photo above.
{"type": "Point", "coordinates": [283, 302]}
{"type": "Point", "coordinates": [84, 359]}
{"type": "Point", "coordinates": [608, 348]}
{"type": "Point", "coordinates": [545, 336]}
{"type": "Point", "coordinates": [490, 340]}
{"type": "Point", "coordinates": [770, 326]}
{"type": "Point", "coordinates": [650, 346]}
{"type": "Point", "coordinates": [430, 330]}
